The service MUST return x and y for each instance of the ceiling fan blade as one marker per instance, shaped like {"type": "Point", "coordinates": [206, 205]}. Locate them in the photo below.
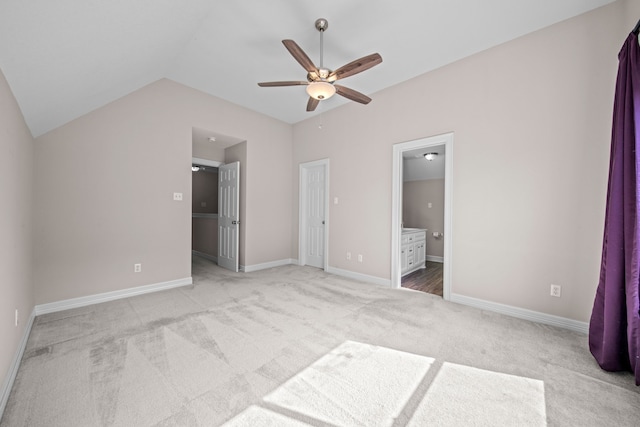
{"type": "Point", "coordinates": [299, 55]}
{"type": "Point", "coordinates": [355, 67]}
{"type": "Point", "coordinates": [290, 83]}
{"type": "Point", "coordinates": [312, 103]}
{"type": "Point", "coordinates": [351, 94]}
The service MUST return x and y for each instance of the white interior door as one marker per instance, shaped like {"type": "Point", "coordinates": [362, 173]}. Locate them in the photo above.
{"type": "Point", "coordinates": [313, 212]}
{"type": "Point", "coordinates": [315, 216]}
{"type": "Point", "coordinates": [228, 215]}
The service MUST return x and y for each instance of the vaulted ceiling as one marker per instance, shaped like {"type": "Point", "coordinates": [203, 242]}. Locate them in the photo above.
{"type": "Point", "coordinates": [65, 58]}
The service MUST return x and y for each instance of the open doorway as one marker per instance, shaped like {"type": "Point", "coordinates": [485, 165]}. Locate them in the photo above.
{"type": "Point", "coordinates": [422, 238]}
{"type": "Point", "coordinates": [204, 209]}
{"type": "Point", "coordinates": [414, 237]}
{"type": "Point", "coordinates": [214, 155]}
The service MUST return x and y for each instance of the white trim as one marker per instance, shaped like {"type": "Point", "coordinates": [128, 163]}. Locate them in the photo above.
{"type": "Point", "coordinates": [434, 258]}
{"type": "Point", "coordinates": [359, 276]}
{"type": "Point", "coordinates": [265, 265]}
{"type": "Point", "coordinates": [205, 162]}
{"type": "Point", "coordinates": [109, 296]}
{"type": "Point", "coordinates": [522, 313]}
{"type": "Point", "coordinates": [15, 364]}
{"type": "Point", "coordinates": [302, 221]}
{"type": "Point", "coordinates": [396, 207]}
{"type": "Point", "coordinates": [203, 255]}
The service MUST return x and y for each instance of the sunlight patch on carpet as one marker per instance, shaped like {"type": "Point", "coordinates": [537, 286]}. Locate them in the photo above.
{"type": "Point", "coordinates": [257, 416]}
{"type": "Point", "coordinates": [354, 384]}
{"type": "Point", "coordinates": [462, 395]}
{"type": "Point", "coordinates": [359, 384]}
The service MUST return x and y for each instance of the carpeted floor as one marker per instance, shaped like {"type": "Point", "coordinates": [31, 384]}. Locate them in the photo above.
{"type": "Point", "coordinates": [294, 346]}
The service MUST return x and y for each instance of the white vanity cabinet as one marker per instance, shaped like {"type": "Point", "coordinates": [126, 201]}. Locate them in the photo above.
{"type": "Point", "coordinates": [413, 250]}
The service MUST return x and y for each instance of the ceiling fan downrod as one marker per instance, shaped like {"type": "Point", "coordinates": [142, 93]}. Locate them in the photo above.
{"type": "Point", "coordinates": [321, 25]}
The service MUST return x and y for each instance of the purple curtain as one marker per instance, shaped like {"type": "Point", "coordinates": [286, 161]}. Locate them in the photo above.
{"type": "Point", "coordinates": [614, 330]}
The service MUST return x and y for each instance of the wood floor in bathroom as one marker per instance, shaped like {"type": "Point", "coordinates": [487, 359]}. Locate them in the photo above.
{"type": "Point", "coordinates": [427, 279]}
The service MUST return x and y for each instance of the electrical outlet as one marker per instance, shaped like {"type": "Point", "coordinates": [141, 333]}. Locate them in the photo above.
{"type": "Point", "coordinates": [16, 317]}
{"type": "Point", "coordinates": [556, 291]}
{"type": "Point", "coordinates": [348, 255]}
{"type": "Point", "coordinates": [359, 257]}
{"type": "Point", "coordinates": [137, 268]}
{"type": "Point", "coordinates": [177, 196]}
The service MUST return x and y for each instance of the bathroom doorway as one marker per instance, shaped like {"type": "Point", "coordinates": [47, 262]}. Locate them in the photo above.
{"type": "Point", "coordinates": [414, 243]}
{"type": "Point", "coordinates": [422, 239]}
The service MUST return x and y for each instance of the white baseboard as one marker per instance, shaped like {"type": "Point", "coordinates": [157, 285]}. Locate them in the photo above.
{"type": "Point", "coordinates": [109, 296]}
{"type": "Point", "coordinates": [265, 265]}
{"type": "Point", "coordinates": [522, 313]}
{"type": "Point", "coordinates": [7, 385]}
{"type": "Point", "coordinates": [203, 255]}
{"type": "Point", "coordinates": [434, 258]}
{"type": "Point", "coordinates": [359, 276]}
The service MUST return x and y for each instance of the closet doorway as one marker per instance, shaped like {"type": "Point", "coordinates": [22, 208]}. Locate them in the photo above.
{"type": "Point", "coordinates": [408, 239]}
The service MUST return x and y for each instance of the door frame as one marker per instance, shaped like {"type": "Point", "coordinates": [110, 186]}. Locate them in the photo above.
{"type": "Point", "coordinates": [302, 211]}
{"type": "Point", "coordinates": [396, 206]}
{"type": "Point", "coordinates": [205, 162]}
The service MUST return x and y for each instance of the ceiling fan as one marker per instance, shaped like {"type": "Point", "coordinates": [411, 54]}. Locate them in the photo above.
{"type": "Point", "coordinates": [320, 81]}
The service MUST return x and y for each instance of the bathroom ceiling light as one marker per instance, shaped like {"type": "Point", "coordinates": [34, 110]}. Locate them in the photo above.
{"type": "Point", "coordinates": [195, 168]}
{"type": "Point", "coordinates": [430, 156]}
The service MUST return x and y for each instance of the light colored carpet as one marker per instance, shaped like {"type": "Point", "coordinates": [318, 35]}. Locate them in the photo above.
{"type": "Point", "coordinates": [295, 346]}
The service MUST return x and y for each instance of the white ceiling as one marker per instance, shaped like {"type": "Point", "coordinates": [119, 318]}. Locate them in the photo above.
{"type": "Point", "coordinates": [416, 168]}
{"type": "Point", "coordinates": [65, 58]}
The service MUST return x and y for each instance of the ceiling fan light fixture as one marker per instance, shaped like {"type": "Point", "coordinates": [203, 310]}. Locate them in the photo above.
{"type": "Point", "coordinates": [321, 90]}
{"type": "Point", "coordinates": [320, 79]}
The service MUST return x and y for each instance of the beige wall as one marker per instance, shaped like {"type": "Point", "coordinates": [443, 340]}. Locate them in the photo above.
{"type": "Point", "coordinates": [532, 124]}
{"type": "Point", "coordinates": [416, 213]}
{"type": "Point", "coordinates": [16, 181]}
{"type": "Point", "coordinates": [207, 151]}
{"type": "Point", "coordinates": [92, 227]}
{"type": "Point", "coordinates": [204, 235]}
